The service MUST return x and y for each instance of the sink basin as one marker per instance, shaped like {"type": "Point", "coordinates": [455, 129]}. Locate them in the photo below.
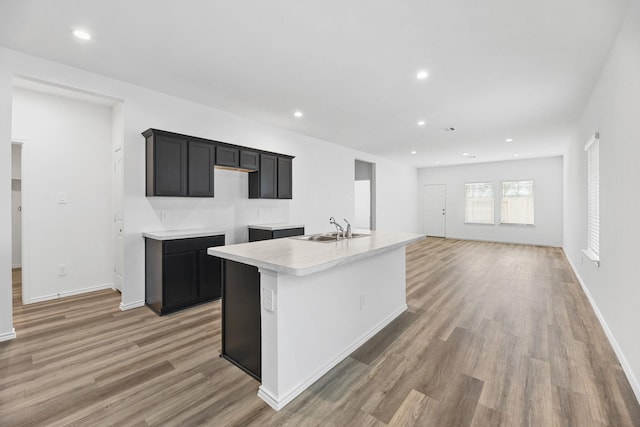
{"type": "Point", "coordinates": [327, 237]}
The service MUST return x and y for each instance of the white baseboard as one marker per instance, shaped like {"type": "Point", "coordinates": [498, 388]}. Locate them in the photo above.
{"type": "Point", "coordinates": [135, 304]}
{"type": "Point", "coordinates": [278, 403]}
{"type": "Point", "coordinates": [612, 340]}
{"type": "Point", "coordinates": [16, 266]}
{"type": "Point", "coordinates": [69, 293]}
{"type": "Point", "coordinates": [8, 335]}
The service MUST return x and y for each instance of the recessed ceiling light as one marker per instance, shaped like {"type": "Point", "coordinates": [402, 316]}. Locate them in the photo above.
{"type": "Point", "coordinates": [516, 155]}
{"type": "Point", "coordinates": [465, 154]}
{"type": "Point", "coordinates": [437, 162]}
{"type": "Point", "coordinates": [414, 152]}
{"type": "Point", "coordinates": [421, 123]}
{"type": "Point", "coordinates": [422, 74]}
{"type": "Point", "coordinates": [509, 139]}
{"type": "Point", "coordinates": [298, 114]}
{"type": "Point", "coordinates": [81, 34]}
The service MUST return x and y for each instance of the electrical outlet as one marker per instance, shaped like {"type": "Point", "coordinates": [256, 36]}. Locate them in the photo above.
{"type": "Point", "coordinates": [62, 269]}
{"type": "Point", "coordinates": [260, 213]}
{"type": "Point", "coordinates": [363, 301]}
{"type": "Point", "coordinates": [267, 299]}
{"type": "Point", "coordinates": [163, 217]}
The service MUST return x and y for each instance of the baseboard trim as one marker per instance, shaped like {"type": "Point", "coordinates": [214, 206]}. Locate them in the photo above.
{"type": "Point", "coordinates": [8, 336]}
{"type": "Point", "coordinates": [543, 245]}
{"type": "Point", "coordinates": [69, 293]}
{"type": "Point", "coordinates": [635, 385]}
{"type": "Point", "coordinates": [131, 305]}
{"type": "Point", "coordinates": [278, 403]}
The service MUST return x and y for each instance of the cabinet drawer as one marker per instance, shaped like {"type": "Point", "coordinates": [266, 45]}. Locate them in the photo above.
{"type": "Point", "coordinates": [192, 244]}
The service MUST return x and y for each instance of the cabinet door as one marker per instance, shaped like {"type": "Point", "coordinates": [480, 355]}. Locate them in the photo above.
{"type": "Point", "coordinates": [210, 276]}
{"type": "Point", "coordinates": [169, 166]}
{"type": "Point", "coordinates": [180, 279]}
{"type": "Point", "coordinates": [268, 176]}
{"type": "Point", "coordinates": [201, 162]}
{"type": "Point", "coordinates": [227, 156]}
{"type": "Point", "coordinates": [249, 160]}
{"type": "Point", "coordinates": [285, 178]}
{"type": "Point", "coordinates": [288, 232]}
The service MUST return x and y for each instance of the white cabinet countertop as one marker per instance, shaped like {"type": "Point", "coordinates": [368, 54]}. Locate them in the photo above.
{"type": "Point", "coordinates": [302, 257]}
{"type": "Point", "coordinates": [181, 234]}
{"type": "Point", "coordinates": [272, 227]}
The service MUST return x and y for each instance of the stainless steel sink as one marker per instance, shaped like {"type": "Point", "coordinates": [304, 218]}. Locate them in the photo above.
{"type": "Point", "coordinates": [327, 237]}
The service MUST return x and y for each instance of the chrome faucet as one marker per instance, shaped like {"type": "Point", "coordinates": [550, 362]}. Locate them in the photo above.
{"type": "Point", "coordinates": [339, 229]}
{"type": "Point", "coordinates": [348, 232]}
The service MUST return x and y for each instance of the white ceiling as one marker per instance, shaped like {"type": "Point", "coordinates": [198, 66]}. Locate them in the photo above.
{"type": "Point", "coordinates": [498, 69]}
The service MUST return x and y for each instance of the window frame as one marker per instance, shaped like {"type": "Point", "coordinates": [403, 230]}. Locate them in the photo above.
{"type": "Point", "coordinates": [533, 203]}
{"type": "Point", "coordinates": [493, 203]}
{"type": "Point", "coordinates": [592, 148]}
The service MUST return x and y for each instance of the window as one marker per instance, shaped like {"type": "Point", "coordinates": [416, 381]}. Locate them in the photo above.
{"type": "Point", "coordinates": [593, 199]}
{"type": "Point", "coordinates": [478, 203]}
{"type": "Point", "coordinates": [517, 202]}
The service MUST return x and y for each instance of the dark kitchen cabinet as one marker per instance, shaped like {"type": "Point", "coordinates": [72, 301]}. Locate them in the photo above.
{"type": "Point", "coordinates": [179, 273]}
{"type": "Point", "coordinates": [285, 187]}
{"type": "Point", "coordinates": [178, 166]}
{"type": "Point", "coordinates": [241, 324]}
{"type": "Point", "coordinates": [274, 180]}
{"type": "Point", "coordinates": [227, 156]}
{"type": "Point", "coordinates": [202, 157]}
{"type": "Point", "coordinates": [249, 160]}
{"type": "Point", "coordinates": [259, 233]}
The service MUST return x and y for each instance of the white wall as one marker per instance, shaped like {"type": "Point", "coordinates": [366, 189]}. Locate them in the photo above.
{"type": "Point", "coordinates": [6, 309]}
{"type": "Point", "coordinates": [67, 148]}
{"type": "Point", "coordinates": [322, 172]}
{"type": "Point", "coordinates": [612, 110]}
{"type": "Point", "coordinates": [547, 176]}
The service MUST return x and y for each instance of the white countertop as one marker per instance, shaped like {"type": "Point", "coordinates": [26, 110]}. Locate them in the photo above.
{"type": "Point", "coordinates": [271, 227]}
{"type": "Point", "coordinates": [181, 234]}
{"type": "Point", "coordinates": [301, 257]}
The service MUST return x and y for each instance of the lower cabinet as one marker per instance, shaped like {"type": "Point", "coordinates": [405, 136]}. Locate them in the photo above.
{"type": "Point", "coordinates": [256, 234]}
{"type": "Point", "coordinates": [179, 273]}
{"type": "Point", "coordinates": [241, 324]}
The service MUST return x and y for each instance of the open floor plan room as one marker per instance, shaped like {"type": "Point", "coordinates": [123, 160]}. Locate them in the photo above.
{"type": "Point", "coordinates": [495, 335]}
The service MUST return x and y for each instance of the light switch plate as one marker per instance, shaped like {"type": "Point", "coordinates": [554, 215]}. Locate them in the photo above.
{"type": "Point", "coordinates": [62, 198]}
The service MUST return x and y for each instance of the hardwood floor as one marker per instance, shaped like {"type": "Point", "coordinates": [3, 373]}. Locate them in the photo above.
{"type": "Point", "coordinates": [495, 335]}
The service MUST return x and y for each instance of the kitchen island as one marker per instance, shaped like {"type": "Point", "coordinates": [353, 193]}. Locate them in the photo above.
{"type": "Point", "coordinates": [317, 303]}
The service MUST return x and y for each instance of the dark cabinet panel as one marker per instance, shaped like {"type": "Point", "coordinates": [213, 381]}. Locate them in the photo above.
{"type": "Point", "coordinates": [241, 333]}
{"type": "Point", "coordinates": [179, 273]}
{"type": "Point", "coordinates": [264, 183]}
{"type": "Point", "coordinates": [166, 166]}
{"type": "Point", "coordinates": [227, 156]}
{"type": "Point", "coordinates": [178, 166]}
{"type": "Point", "coordinates": [249, 160]}
{"type": "Point", "coordinates": [285, 188]}
{"type": "Point", "coordinates": [256, 234]}
{"type": "Point", "coordinates": [210, 276]}
{"type": "Point", "coordinates": [201, 161]}
{"type": "Point", "coordinates": [180, 282]}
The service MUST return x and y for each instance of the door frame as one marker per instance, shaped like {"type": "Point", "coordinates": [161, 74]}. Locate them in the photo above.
{"type": "Point", "coordinates": [424, 208]}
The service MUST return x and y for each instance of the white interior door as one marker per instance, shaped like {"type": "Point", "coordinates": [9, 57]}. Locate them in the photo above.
{"type": "Point", "coordinates": [435, 210]}
{"type": "Point", "coordinates": [118, 221]}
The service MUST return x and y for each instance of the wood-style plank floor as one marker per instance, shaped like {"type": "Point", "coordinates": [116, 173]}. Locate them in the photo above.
{"type": "Point", "coordinates": [495, 335]}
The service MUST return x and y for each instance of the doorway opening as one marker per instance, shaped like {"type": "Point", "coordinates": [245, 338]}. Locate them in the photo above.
{"type": "Point", "coordinates": [365, 195]}
{"type": "Point", "coordinates": [16, 221]}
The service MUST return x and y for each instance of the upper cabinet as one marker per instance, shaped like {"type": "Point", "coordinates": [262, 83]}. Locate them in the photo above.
{"type": "Point", "coordinates": [183, 166]}
{"type": "Point", "coordinates": [273, 180]}
{"type": "Point", "coordinates": [227, 156]}
{"type": "Point", "coordinates": [178, 166]}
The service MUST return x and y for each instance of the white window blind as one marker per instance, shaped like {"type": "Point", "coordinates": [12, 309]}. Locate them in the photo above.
{"type": "Point", "coordinates": [593, 198]}
{"type": "Point", "coordinates": [478, 203]}
{"type": "Point", "coordinates": [517, 203]}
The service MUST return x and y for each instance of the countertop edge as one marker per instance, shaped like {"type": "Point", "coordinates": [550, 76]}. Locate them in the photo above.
{"type": "Point", "coordinates": [316, 268]}
{"type": "Point", "coordinates": [181, 234]}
